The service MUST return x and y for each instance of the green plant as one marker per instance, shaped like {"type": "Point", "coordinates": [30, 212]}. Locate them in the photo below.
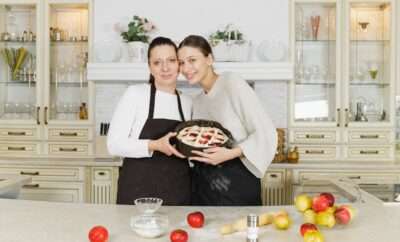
{"type": "Point", "coordinates": [226, 35]}
{"type": "Point", "coordinates": [138, 29]}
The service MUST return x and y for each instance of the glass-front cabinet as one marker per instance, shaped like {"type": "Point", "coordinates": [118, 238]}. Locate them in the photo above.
{"type": "Point", "coordinates": [343, 94]}
{"type": "Point", "coordinates": [45, 98]}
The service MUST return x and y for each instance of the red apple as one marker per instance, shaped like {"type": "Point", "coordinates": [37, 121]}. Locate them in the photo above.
{"type": "Point", "coordinates": [195, 219]}
{"type": "Point", "coordinates": [98, 234]}
{"type": "Point", "coordinates": [320, 203]}
{"type": "Point", "coordinates": [343, 215]}
{"type": "Point", "coordinates": [307, 227]}
{"type": "Point", "coordinates": [330, 198]}
{"type": "Point", "coordinates": [179, 235]}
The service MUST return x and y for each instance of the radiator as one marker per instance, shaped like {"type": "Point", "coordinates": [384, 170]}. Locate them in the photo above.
{"type": "Point", "coordinates": [101, 192]}
{"type": "Point", "coordinates": [274, 196]}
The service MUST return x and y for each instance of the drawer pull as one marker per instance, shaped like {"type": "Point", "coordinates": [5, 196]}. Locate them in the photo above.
{"type": "Point", "coordinates": [16, 133]}
{"type": "Point", "coordinates": [13, 148]}
{"type": "Point", "coordinates": [369, 152]}
{"type": "Point", "coordinates": [354, 177]}
{"type": "Point", "coordinates": [101, 173]}
{"type": "Point", "coordinates": [320, 152]}
{"type": "Point", "coordinates": [364, 136]}
{"type": "Point", "coordinates": [31, 186]}
{"type": "Point", "coordinates": [37, 115]}
{"type": "Point", "coordinates": [68, 149]}
{"type": "Point", "coordinates": [315, 136]}
{"type": "Point", "coordinates": [69, 134]}
{"type": "Point", "coordinates": [273, 175]}
{"type": "Point", "coordinates": [36, 173]}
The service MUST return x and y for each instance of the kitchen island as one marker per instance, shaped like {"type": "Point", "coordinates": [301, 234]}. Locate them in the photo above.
{"type": "Point", "coordinates": [35, 221]}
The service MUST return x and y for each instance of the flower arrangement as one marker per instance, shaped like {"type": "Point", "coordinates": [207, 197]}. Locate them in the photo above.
{"type": "Point", "coordinates": [229, 34]}
{"type": "Point", "coordinates": [137, 30]}
{"type": "Point", "coordinates": [14, 58]}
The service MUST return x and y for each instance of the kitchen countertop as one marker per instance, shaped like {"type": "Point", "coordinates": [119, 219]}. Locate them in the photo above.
{"type": "Point", "coordinates": [33, 221]}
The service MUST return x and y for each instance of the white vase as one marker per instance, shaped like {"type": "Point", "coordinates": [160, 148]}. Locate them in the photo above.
{"type": "Point", "coordinates": [137, 51]}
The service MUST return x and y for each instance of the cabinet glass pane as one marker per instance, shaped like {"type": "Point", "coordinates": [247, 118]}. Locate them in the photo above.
{"type": "Point", "coordinates": [68, 58]}
{"type": "Point", "coordinates": [315, 62]}
{"type": "Point", "coordinates": [370, 62]}
{"type": "Point", "coordinates": [18, 61]}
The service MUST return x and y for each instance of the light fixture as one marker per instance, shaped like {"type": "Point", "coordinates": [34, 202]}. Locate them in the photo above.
{"type": "Point", "coordinates": [363, 26]}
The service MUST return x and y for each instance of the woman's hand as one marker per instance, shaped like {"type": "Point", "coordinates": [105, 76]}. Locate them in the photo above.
{"type": "Point", "coordinates": [216, 155]}
{"type": "Point", "coordinates": [163, 145]}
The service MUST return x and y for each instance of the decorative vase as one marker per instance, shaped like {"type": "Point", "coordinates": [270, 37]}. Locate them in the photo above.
{"type": "Point", "coordinates": [137, 51]}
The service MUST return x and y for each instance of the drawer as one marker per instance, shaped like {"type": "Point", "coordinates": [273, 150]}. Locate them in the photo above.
{"type": "Point", "coordinates": [370, 179]}
{"type": "Point", "coordinates": [19, 148]}
{"type": "Point", "coordinates": [69, 149]}
{"type": "Point", "coordinates": [46, 173]}
{"type": "Point", "coordinates": [369, 153]}
{"type": "Point", "coordinates": [54, 191]}
{"type": "Point", "coordinates": [311, 152]}
{"type": "Point", "coordinates": [102, 175]}
{"type": "Point", "coordinates": [19, 134]}
{"type": "Point", "coordinates": [370, 137]}
{"type": "Point", "coordinates": [69, 134]}
{"type": "Point", "coordinates": [314, 136]}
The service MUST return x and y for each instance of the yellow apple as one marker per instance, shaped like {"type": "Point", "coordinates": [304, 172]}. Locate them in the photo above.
{"type": "Point", "coordinates": [326, 219]}
{"type": "Point", "coordinates": [313, 236]}
{"type": "Point", "coordinates": [303, 202]}
{"type": "Point", "coordinates": [331, 209]}
{"type": "Point", "coordinates": [282, 221]}
{"type": "Point", "coordinates": [309, 216]}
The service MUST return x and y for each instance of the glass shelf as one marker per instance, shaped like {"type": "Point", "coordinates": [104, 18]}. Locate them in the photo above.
{"type": "Point", "coordinates": [70, 84]}
{"type": "Point", "coordinates": [366, 83]}
{"type": "Point", "coordinates": [18, 42]}
{"type": "Point", "coordinates": [69, 42]}
{"type": "Point", "coordinates": [369, 41]}
{"type": "Point", "coordinates": [316, 83]}
{"type": "Point", "coordinates": [18, 82]}
{"type": "Point", "coordinates": [315, 41]}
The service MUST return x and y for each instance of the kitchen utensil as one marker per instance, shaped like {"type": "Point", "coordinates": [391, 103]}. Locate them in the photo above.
{"type": "Point", "coordinates": [150, 225]}
{"type": "Point", "coordinates": [148, 205]}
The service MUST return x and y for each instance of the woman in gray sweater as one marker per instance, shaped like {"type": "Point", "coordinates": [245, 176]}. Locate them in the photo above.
{"type": "Point", "coordinates": [222, 176]}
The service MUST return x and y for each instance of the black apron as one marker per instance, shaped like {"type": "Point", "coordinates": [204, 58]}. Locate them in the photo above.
{"type": "Point", "coordinates": [166, 177]}
{"type": "Point", "coordinates": [227, 184]}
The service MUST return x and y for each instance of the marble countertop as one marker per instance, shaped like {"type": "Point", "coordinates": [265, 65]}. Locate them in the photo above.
{"type": "Point", "coordinates": [33, 221]}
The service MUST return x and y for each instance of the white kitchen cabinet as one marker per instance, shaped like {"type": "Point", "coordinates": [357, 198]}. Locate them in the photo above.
{"type": "Point", "coordinates": [40, 102]}
{"type": "Point", "coordinates": [103, 189]}
{"type": "Point", "coordinates": [343, 95]}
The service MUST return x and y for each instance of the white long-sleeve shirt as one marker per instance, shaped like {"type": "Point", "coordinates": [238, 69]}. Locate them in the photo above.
{"type": "Point", "coordinates": [233, 104]}
{"type": "Point", "coordinates": [131, 114]}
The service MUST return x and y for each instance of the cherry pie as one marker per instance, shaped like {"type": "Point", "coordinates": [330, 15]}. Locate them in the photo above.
{"type": "Point", "coordinates": [202, 137]}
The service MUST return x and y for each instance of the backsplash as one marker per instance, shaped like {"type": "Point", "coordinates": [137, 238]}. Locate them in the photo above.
{"type": "Point", "coordinates": [273, 95]}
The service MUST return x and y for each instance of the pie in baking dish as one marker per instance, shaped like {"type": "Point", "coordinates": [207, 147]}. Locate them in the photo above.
{"type": "Point", "coordinates": [202, 137]}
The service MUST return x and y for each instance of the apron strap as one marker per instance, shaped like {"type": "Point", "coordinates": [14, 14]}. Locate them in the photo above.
{"type": "Point", "coordinates": [152, 101]}
{"type": "Point", "coordinates": [180, 105]}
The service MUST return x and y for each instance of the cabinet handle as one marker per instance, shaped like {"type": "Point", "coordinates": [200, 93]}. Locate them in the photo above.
{"type": "Point", "coordinates": [338, 117]}
{"type": "Point", "coordinates": [364, 136]}
{"type": "Point", "coordinates": [315, 152]}
{"type": "Point", "coordinates": [13, 148]}
{"type": "Point", "coordinates": [68, 149]}
{"type": "Point", "coordinates": [346, 110]}
{"type": "Point", "coordinates": [369, 152]}
{"type": "Point", "coordinates": [101, 173]}
{"type": "Point", "coordinates": [69, 134]}
{"type": "Point", "coordinates": [37, 115]}
{"type": "Point", "coordinates": [36, 173]}
{"type": "Point", "coordinates": [45, 115]}
{"type": "Point", "coordinates": [354, 177]}
{"type": "Point", "coordinates": [31, 186]}
{"type": "Point", "coordinates": [273, 175]}
{"type": "Point", "coordinates": [315, 136]}
{"type": "Point", "coordinates": [16, 133]}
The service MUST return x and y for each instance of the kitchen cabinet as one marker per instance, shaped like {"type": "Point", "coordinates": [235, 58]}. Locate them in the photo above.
{"type": "Point", "coordinates": [45, 101]}
{"type": "Point", "coordinates": [276, 187]}
{"type": "Point", "coordinates": [342, 97]}
{"type": "Point", "coordinates": [104, 185]}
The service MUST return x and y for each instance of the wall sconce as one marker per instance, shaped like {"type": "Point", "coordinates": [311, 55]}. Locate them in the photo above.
{"type": "Point", "coordinates": [363, 26]}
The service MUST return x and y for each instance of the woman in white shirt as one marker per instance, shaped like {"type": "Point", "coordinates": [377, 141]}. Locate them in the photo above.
{"type": "Point", "coordinates": [141, 129]}
{"type": "Point", "coordinates": [223, 176]}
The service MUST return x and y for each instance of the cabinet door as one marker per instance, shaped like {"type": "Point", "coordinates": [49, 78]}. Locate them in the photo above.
{"type": "Point", "coordinates": [316, 85]}
{"type": "Point", "coordinates": [53, 191]}
{"type": "Point", "coordinates": [67, 90]}
{"type": "Point", "coordinates": [369, 69]}
{"type": "Point", "coordinates": [20, 61]}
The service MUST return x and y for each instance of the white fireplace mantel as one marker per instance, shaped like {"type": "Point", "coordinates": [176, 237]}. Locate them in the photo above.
{"type": "Point", "coordinates": [131, 72]}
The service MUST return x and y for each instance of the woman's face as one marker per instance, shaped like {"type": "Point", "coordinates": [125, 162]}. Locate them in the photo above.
{"type": "Point", "coordinates": [193, 64]}
{"type": "Point", "coordinates": [163, 64]}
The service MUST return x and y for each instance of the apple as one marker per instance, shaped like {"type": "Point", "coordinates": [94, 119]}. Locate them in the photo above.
{"type": "Point", "coordinates": [98, 234]}
{"type": "Point", "coordinates": [302, 202]}
{"type": "Point", "coordinates": [179, 235]}
{"type": "Point", "coordinates": [330, 198]}
{"type": "Point", "coordinates": [331, 209]}
{"type": "Point", "coordinates": [282, 221]}
{"type": "Point", "coordinates": [307, 227]}
{"type": "Point", "coordinates": [313, 236]}
{"type": "Point", "coordinates": [309, 216]}
{"type": "Point", "coordinates": [344, 214]}
{"type": "Point", "coordinates": [326, 219]}
{"type": "Point", "coordinates": [195, 219]}
{"type": "Point", "coordinates": [320, 203]}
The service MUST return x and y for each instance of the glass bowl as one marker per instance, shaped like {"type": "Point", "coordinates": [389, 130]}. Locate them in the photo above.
{"type": "Point", "coordinates": [148, 205]}
{"type": "Point", "coordinates": [150, 225]}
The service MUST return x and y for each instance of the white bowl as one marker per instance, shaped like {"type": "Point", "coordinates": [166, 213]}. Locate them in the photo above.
{"type": "Point", "coordinates": [148, 204]}
{"type": "Point", "coordinates": [150, 225]}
